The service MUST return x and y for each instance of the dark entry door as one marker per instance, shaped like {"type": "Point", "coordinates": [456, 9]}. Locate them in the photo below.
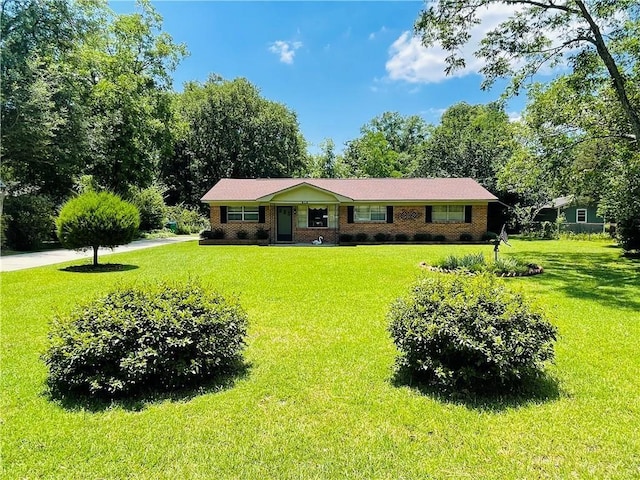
{"type": "Point", "coordinates": [285, 224]}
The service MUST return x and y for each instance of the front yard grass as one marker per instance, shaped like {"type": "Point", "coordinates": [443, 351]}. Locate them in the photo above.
{"type": "Point", "coordinates": [317, 399]}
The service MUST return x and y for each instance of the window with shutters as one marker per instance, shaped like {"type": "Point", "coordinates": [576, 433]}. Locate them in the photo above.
{"type": "Point", "coordinates": [243, 214]}
{"type": "Point", "coordinates": [447, 214]}
{"type": "Point", "coordinates": [370, 213]}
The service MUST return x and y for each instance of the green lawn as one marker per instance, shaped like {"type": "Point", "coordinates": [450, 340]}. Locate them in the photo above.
{"type": "Point", "coordinates": [318, 400]}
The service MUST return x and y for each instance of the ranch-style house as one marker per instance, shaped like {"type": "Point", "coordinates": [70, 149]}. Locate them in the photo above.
{"type": "Point", "coordinates": [300, 210]}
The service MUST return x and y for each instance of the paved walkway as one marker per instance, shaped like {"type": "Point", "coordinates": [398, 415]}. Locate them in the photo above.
{"type": "Point", "coordinates": [20, 261]}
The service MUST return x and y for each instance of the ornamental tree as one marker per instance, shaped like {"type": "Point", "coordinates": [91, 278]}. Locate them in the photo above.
{"type": "Point", "coordinates": [94, 220]}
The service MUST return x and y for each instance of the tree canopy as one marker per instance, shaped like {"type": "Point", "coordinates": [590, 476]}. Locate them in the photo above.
{"type": "Point", "coordinates": [593, 37]}
{"type": "Point", "coordinates": [390, 145]}
{"type": "Point", "coordinates": [228, 130]}
{"type": "Point", "coordinates": [470, 141]}
{"type": "Point", "coordinates": [84, 91]}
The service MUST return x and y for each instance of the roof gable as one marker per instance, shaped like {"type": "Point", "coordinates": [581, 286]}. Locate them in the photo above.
{"type": "Point", "coordinates": [303, 192]}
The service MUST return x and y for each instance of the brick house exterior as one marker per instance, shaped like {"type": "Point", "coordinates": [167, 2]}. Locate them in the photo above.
{"type": "Point", "coordinates": [302, 210]}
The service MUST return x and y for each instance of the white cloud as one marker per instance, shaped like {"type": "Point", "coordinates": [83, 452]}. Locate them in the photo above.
{"type": "Point", "coordinates": [515, 116]}
{"type": "Point", "coordinates": [285, 49]}
{"type": "Point", "coordinates": [412, 62]}
{"type": "Point", "coordinates": [432, 113]}
{"type": "Point", "coordinates": [373, 35]}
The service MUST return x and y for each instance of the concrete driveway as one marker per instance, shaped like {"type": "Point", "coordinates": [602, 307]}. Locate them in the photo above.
{"type": "Point", "coordinates": [21, 261]}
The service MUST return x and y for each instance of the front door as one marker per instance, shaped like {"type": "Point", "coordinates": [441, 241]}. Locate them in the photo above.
{"type": "Point", "coordinates": [285, 224]}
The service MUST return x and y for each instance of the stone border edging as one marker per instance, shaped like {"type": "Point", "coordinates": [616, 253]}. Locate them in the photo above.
{"type": "Point", "coordinates": [533, 270]}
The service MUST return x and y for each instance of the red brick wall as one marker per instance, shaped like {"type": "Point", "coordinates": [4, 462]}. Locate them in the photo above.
{"type": "Point", "coordinates": [231, 229]}
{"type": "Point", "coordinates": [308, 235]}
{"type": "Point", "coordinates": [408, 220]}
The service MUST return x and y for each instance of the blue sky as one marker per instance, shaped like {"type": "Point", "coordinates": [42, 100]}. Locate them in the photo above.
{"type": "Point", "coordinates": [336, 64]}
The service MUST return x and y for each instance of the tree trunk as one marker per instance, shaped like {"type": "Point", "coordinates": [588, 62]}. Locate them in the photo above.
{"type": "Point", "coordinates": [95, 255]}
{"type": "Point", "coordinates": [614, 73]}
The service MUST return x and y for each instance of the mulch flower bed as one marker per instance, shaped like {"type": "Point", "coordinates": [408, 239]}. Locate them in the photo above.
{"type": "Point", "coordinates": [533, 270]}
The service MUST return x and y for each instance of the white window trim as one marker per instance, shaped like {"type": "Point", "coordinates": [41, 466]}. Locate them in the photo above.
{"type": "Point", "coordinates": [302, 221]}
{"type": "Point", "coordinates": [357, 219]}
{"type": "Point", "coordinates": [448, 220]}
{"type": "Point", "coordinates": [243, 213]}
{"type": "Point", "coordinates": [578, 211]}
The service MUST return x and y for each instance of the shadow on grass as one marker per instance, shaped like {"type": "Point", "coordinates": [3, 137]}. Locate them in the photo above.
{"type": "Point", "coordinates": [100, 268]}
{"type": "Point", "coordinates": [78, 402]}
{"type": "Point", "coordinates": [531, 391]}
{"type": "Point", "coordinates": [608, 280]}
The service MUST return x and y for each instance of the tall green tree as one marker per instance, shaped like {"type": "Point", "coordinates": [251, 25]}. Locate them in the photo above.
{"type": "Point", "coordinates": [228, 130]}
{"type": "Point", "coordinates": [580, 147]}
{"type": "Point", "coordinates": [470, 141]}
{"type": "Point", "coordinates": [326, 163]}
{"type": "Point", "coordinates": [390, 145]}
{"type": "Point", "coordinates": [128, 65]}
{"type": "Point", "coordinates": [42, 114]}
{"type": "Point", "coordinates": [372, 155]}
{"type": "Point", "coordinates": [84, 91]}
{"type": "Point", "coordinates": [594, 37]}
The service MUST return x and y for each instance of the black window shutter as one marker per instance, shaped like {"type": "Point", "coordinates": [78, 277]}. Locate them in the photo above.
{"type": "Point", "coordinates": [389, 214]}
{"type": "Point", "coordinates": [260, 214]}
{"type": "Point", "coordinates": [467, 214]}
{"type": "Point", "coordinates": [350, 214]}
{"type": "Point", "coordinates": [223, 214]}
{"type": "Point", "coordinates": [427, 214]}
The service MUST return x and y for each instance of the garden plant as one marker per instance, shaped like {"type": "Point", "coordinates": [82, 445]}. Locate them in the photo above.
{"type": "Point", "coordinates": [157, 337]}
{"type": "Point", "coordinates": [94, 220]}
{"type": "Point", "coordinates": [459, 333]}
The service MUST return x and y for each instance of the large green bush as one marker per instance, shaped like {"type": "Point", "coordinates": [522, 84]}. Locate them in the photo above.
{"type": "Point", "coordinates": [461, 332]}
{"type": "Point", "coordinates": [29, 221]}
{"type": "Point", "coordinates": [187, 220]}
{"type": "Point", "coordinates": [135, 339]}
{"type": "Point", "coordinates": [150, 203]}
{"type": "Point", "coordinates": [93, 220]}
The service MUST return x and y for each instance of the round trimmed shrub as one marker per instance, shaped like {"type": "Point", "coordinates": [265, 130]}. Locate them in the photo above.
{"type": "Point", "coordinates": [489, 236]}
{"type": "Point", "coordinates": [381, 237]}
{"type": "Point", "coordinates": [466, 237]}
{"type": "Point", "coordinates": [262, 234]}
{"type": "Point", "coordinates": [93, 220]}
{"type": "Point", "coordinates": [422, 237]}
{"type": "Point", "coordinates": [461, 332]}
{"type": "Point", "coordinates": [155, 337]}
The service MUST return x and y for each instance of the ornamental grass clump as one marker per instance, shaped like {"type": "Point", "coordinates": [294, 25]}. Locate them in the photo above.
{"type": "Point", "coordinates": [469, 333]}
{"type": "Point", "coordinates": [145, 338]}
{"type": "Point", "coordinates": [472, 262]}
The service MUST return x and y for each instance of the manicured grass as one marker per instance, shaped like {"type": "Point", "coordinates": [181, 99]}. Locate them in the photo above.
{"type": "Point", "coordinates": [318, 399]}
